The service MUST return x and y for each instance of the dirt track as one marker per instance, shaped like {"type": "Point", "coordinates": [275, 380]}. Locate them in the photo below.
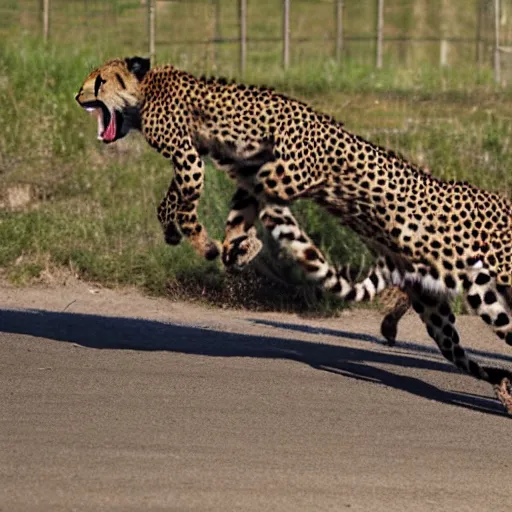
{"type": "Point", "coordinates": [114, 401]}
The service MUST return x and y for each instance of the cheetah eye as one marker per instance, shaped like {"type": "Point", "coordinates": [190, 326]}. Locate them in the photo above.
{"type": "Point", "coordinates": [97, 84]}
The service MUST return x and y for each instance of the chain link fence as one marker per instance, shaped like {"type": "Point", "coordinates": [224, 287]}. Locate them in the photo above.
{"type": "Point", "coordinates": [241, 33]}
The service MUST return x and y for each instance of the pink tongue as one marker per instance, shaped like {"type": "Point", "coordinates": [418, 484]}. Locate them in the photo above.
{"type": "Point", "coordinates": [110, 133]}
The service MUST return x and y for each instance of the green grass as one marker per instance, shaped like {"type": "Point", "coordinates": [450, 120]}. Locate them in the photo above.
{"type": "Point", "coordinates": [93, 206]}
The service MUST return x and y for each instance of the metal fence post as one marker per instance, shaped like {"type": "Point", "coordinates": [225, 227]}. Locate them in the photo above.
{"type": "Point", "coordinates": [286, 33]}
{"type": "Point", "coordinates": [497, 61]}
{"type": "Point", "coordinates": [46, 20]}
{"type": "Point", "coordinates": [151, 29]}
{"type": "Point", "coordinates": [243, 35]}
{"type": "Point", "coordinates": [380, 31]}
{"type": "Point", "coordinates": [339, 29]}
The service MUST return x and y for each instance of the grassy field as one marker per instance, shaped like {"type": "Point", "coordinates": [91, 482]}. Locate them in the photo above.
{"type": "Point", "coordinates": [70, 204]}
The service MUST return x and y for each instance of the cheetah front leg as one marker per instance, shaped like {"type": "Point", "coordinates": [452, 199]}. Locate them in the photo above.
{"type": "Point", "coordinates": [241, 244]}
{"type": "Point", "coordinates": [177, 211]}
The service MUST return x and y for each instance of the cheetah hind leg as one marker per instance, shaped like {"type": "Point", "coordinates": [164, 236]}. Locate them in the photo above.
{"type": "Point", "coordinates": [492, 303]}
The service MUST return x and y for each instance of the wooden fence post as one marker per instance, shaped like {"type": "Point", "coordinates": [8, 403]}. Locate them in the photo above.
{"type": "Point", "coordinates": [380, 31]}
{"type": "Point", "coordinates": [151, 29]}
{"type": "Point", "coordinates": [243, 35]}
{"type": "Point", "coordinates": [86, 14]}
{"type": "Point", "coordinates": [216, 30]}
{"type": "Point", "coordinates": [478, 49]}
{"type": "Point", "coordinates": [339, 29]}
{"type": "Point", "coordinates": [286, 33]}
{"type": "Point", "coordinates": [497, 60]}
{"type": "Point", "coordinates": [46, 20]}
{"type": "Point", "coordinates": [443, 53]}
{"type": "Point", "coordinates": [443, 43]}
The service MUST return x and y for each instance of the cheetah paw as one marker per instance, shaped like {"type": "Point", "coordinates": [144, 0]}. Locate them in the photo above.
{"type": "Point", "coordinates": [172, 234]}
{"type": "Point", "coordinates": [241, 250]}
{"type": "Point", "coordinates": [503, 393]}
{"type": "Point", "coordinates": [212, 250]}
{"type": "Point", "coordinates": [388, 329]}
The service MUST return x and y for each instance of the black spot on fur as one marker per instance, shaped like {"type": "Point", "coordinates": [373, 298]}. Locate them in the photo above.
{"type": "Point", "coordinates": [436, 320]}
{"type": "Point", "coordinates": [474, 301]}
{"type": "Point", "coordinates": [351, 295]}
{"type": "Point", "coordinates": [486, 318]}
{"type": "Point", "coordinates": [311, 254]}
{"type": "Point", "coordinates": [501, 320]}
{"type": "Point", "coordinates": [448, 330]}
{"type": "Point", "coordinates": [336, 288]}
{"type": "Point", "coordinates": [482, 278]}
{"type": "Point", "coordinates": [374, 279]}
{"type": "Point", "coordinates": [450, 282]}
{"type": "Point", "coordinates": [444, 309]}
{"type": "Point", "coordinates": [490, 297]}
{"type": "Point", "coordinates": [236, 221]}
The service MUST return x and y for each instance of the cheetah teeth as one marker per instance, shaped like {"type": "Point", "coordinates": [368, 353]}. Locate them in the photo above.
{"type": "Point", "coordinates": [98, 114]}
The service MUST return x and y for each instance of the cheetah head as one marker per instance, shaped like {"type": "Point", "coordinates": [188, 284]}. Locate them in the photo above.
{"type": "Point", "coordinates": [112, 93]}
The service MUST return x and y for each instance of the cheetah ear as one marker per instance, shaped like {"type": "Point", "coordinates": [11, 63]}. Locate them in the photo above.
{"type": "Point", "coordinates": [139, 66]}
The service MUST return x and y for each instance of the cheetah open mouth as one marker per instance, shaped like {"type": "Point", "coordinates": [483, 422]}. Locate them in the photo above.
{"type": "Point", "coordinates": [109, 123]}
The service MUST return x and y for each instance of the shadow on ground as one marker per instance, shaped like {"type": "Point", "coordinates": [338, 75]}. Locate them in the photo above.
{"type": "Point", "coordinates": [369, 338]}
{"type": "Point", "coordinates": [101, 332]}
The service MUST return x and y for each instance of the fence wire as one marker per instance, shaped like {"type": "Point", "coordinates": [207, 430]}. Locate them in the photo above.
{"type": "Point", "coordinates": [207, 32]}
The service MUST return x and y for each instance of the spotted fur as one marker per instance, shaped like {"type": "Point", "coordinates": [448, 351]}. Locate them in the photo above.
{"type": "Point", "coordinates": [435, 239]}
{"type": "Point", "coordinates": [174, 110]}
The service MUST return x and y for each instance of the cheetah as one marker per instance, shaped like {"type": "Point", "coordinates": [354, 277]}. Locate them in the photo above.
{"type": "Point", "coordinates": [433, 239]}
{"type": "Point", "coordinates": [119, 95]}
